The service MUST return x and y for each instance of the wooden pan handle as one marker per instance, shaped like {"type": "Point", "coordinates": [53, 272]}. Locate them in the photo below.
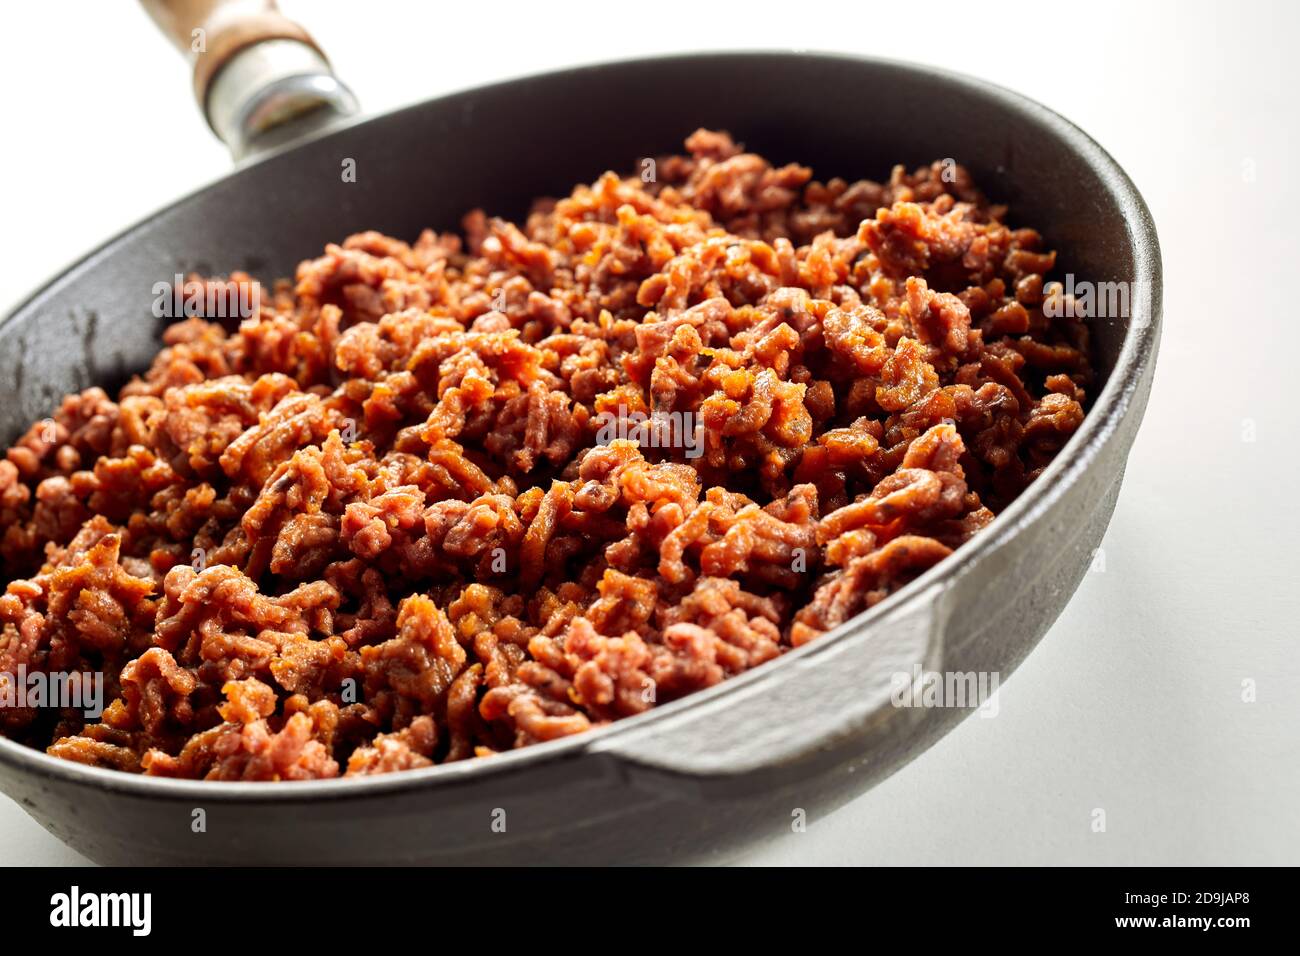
{"type": "Point", "coordinates": [210, 32]}
{"type": "Point", "coordinates": [259, 77]}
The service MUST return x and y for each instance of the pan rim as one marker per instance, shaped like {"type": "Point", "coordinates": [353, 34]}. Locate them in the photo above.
{"type": "Point", "coordinates": [1112, 406]}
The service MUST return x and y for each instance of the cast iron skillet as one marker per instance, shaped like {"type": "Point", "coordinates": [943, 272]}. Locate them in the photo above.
{"type": "Point", "coordinates": [699, 778]}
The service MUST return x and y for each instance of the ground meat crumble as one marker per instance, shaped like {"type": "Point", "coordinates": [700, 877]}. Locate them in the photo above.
{"type": "Point", "coordinates": [375, 526]}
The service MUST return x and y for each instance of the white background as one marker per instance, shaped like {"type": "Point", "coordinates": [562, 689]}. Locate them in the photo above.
{"type": "Point", "coordinates": [1133, 701]}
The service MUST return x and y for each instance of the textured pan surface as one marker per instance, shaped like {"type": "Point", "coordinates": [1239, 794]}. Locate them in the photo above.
{"type": "Point", "coordinates": [703, 776]}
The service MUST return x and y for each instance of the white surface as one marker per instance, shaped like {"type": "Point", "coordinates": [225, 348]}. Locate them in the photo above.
{"type": "Point", "coordinates": [1133, 702]}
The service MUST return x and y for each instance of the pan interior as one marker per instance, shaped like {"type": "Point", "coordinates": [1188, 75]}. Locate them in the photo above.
{"type": "Point", "coordinates": [501, 146]}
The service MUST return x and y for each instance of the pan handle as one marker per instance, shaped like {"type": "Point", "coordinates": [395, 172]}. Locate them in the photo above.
{"type": "Point", "coordinates": [259, 77]}
{"type": "Point", "coordinates": [841, 688]}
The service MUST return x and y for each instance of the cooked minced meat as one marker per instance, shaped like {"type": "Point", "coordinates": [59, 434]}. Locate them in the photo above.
{"type": "Point", "coordinates": [439, 500]}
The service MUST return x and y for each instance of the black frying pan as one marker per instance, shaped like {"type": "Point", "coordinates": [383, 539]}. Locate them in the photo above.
{"type": "Point", "coordinates": [700, 777]}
